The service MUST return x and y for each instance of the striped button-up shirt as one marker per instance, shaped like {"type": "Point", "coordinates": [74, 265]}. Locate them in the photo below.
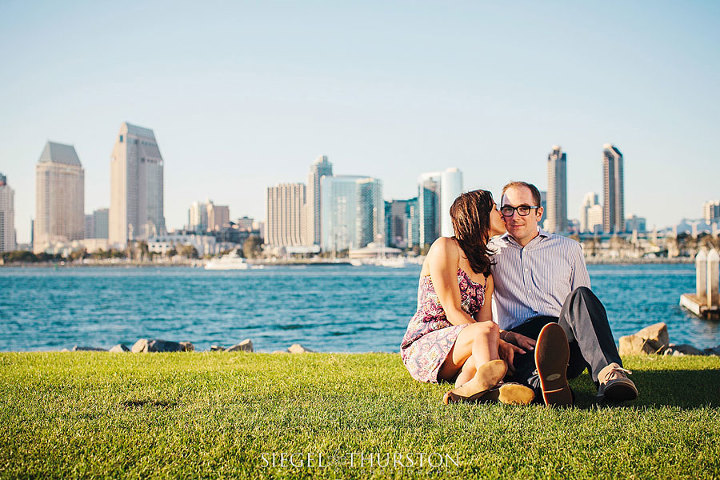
{"type": "Point", "coordinates": [535, 279]}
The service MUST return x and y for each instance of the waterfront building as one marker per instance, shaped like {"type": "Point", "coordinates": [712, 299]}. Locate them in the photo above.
{"type": "Point", "coordinates": [436, 193]}
{"type": "Point", "coordinates": [320, 168]}
{"type": "Point", "coordinates": [136, 186]}
{"type": "Point", "coordinates": [711, 211]}
{"type": "Point", "coordinates": [203, 244]}
{"type": "Point", "coordinates": [197, 217]}
{"type": "Point", "coordinates": [218, 216]}
{"type": "Point", "coordinates": [451, 187]}
{"type": "Point", "coordinates": [543, 204]}
{"type": "Point", "coordinates": [636, 224]}
{"type": "Point", "coordinates": [613, 190]}
{"type": "Point", "coordinates": [591, 214]}
{"type": "Point", "coordinates": [7, 216]}
{"type": "Point", "coordinates": [285, 215]}
{"type": "Point", "coordinates": [96, 224]}
{"type": "Point", "coordinates": [59, 197]}
{"type": "Point", "coordinates": [556, 213]}
{"type": "Point", "coordinates": [397, 221]}
{"type": "Point", "coordinates": [352, 212]}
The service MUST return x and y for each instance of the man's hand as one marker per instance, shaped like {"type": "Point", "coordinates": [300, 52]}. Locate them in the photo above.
{"type": "Point", "coordinates": [520, 340]}
{"type": "Point", "coordinates": [507, 352]}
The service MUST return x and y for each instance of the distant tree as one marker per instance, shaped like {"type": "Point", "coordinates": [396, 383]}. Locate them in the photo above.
{"type": "Point", "coordinates": [252, 248]}
{"type": "Point", "coordinates": [172, 252]}
{"type": "Point", "coordinates": [78, 254]}
{"type": "Point", "coordinates": [188, 251]}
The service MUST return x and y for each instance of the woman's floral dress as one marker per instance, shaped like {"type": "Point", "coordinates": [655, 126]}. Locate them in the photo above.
{"type": "Point", "coordinates": [430, 336]}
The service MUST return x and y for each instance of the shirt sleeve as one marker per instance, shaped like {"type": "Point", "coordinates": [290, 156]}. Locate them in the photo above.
{"type": "Point", "coordinates": [580, 276]}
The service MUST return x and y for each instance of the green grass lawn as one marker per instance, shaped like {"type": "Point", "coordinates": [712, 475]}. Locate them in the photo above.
{"type": "Point", "coordinates": [83, 414]}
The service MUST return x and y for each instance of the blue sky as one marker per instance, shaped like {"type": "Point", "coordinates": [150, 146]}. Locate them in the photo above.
{"type": "Point", "coordinates": [242, 95]}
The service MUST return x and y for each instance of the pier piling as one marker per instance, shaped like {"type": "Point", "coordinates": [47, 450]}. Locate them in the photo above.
{"type": "Point", "coordinates": [705, 302]}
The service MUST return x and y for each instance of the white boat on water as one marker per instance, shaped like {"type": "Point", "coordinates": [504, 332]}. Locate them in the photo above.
{"type": "Point", "coordinates": [229, 261]}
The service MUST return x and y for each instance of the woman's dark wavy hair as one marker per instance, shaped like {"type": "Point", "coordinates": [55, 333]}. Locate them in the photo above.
{"type": "Point", "coordinates": [470, 214]}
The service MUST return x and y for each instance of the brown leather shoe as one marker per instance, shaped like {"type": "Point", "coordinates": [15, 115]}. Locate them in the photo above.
{"type": "Point", "coordinates": [552, 355]}
{"type": "Point", "coordinates": [486, 377]}
{"type": "Point", "coordinates": [615, 386]}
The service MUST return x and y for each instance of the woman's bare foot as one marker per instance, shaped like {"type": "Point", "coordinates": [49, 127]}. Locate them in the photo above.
{"type": "Point", "coordinates": [486, 377]}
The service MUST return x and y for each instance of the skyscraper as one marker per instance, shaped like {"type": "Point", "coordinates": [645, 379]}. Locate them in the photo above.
{"type": "Point", "coordinates": [321, 167]}
{"type": "Point", "coordinates": [591, 214]}
{"type": "Point", "coordinates": [556, 213]}
{"type": "Point", "coordinates": [613, 190]}
{"type": "Point", "coordinates": [436, 193]}
{"type": "Point", "coordinates": [711, 211]}
{"type": "Point", "coordinates": [285, 220]}
{"type": "Point", "coordinates": [59, 197]}
{"type": "Point", "coordinates": [352, 212]}
{"type": "Point", "coordinates": [136, 186]}
{"type": "Point", "coordinates": [7, 216]}
{"type": "Point", "coordinates": [451, 187]}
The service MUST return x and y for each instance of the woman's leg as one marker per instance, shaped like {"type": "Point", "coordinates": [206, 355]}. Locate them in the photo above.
{"type": "Point", "coordinates": [476, 345]}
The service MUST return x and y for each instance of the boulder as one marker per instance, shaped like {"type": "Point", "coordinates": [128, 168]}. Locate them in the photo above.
{"type": "Point", "coordinates": [712, 351]}
{"type": "Point", "coordinates": [119, 348]}
{"type": "Point", "coordinates": [156, 345]}
{"type": "Point", "coordinates": [244, 346]}
{"type": "Point", "coordinates": [652, 339]}
{"type": "Point", "coordinates": [216, 348]}
{"type": "Point", "coordinates": [87, 349]}
{"type": "Point", "coordinates": [297, 348]}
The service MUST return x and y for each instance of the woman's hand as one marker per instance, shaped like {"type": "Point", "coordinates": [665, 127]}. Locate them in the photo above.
{"type": "Point", "coordinates": [507, 352]}
{"type": "Point", "coordinates": [518, 339]}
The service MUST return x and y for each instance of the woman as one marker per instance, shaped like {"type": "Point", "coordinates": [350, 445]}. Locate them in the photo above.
{"type": "Point", "coordinates": [452, 335]}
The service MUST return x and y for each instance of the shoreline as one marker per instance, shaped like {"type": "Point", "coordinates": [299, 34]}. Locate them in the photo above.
{"type": "Point", "coordinates": [293, 263]}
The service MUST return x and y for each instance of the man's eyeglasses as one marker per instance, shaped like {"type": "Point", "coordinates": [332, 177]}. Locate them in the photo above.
{"type": "Point", "coordinates": [523, 210]}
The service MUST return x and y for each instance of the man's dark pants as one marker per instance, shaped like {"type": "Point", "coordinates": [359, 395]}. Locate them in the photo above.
{"type": "Point", "coordinates": [585, 323]}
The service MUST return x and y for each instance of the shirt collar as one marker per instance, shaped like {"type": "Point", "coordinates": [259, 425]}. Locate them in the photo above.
{"type": "Point", "coordinates": [505, 237]}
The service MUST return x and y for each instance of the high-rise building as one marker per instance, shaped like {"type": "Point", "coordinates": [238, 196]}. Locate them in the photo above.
{"type": "Point", "coordinates": [636, 224]}
{"type": "Point", "coordinates": [556, 212]}
{"type": "Point", "coordinates": [451, 186]}
{"type": "Point", "coordinates": [218, 216]}
{"type": "Point", "coordinates": [320, 168]}
{"type": "Point", "coordinates": [198, 217]}
{"type": "Point", "coordinates": [59, 197]}
{"type": "Point", "coordinates": [436, 193]}
{"type": "Point", "coordinates": [7, 216]}
{"type": "Point", "coordinates": [711, 211]}
{"type": "Point", "coordinates": [397, 221]}
{"type": "Point", "coordinates": [285, 215]}
{"type": "Point", "coordinates": [352, 212]}
{"type": "Point", "coordinates": [96, 224]}
{"type": "Point", "coordinates": [136, 186]}
{"type": "Point", "coordinates": [613, 190]}
{"type": "Point", "coordinates": [591, 214]}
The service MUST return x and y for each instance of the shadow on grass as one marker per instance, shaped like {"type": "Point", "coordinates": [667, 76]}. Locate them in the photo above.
{"type": "Point", "coordinates": [687, 389]}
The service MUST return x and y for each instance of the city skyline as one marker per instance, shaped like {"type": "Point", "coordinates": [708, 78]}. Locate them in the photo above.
{"type": "Point", "coordinates": [253, 96]}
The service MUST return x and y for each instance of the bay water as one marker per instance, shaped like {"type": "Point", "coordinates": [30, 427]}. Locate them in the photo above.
{"type": "Point", "coordinates": [331, 308]}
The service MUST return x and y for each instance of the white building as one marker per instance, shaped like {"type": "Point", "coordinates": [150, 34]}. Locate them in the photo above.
{"type": "Point", "coordinates": [285, 212]}
{"type": "Point", "coordinates": [591, 214]}
{"type": "Point", "coordinates": [204, 244]}
{"type": "Point", "coordinates": [436, 193]}
{"type": "Point", "coordinates": [352, 212]}
{"type": "Point", "coordinates": [59, 197]}
{"type": "Point", "coordinates": [136, 186]}
{"type": "Point", "coordinates": [556, 212]}
{"type": "Point", "coordinates": [320, 168]}
{"type": "Point", "coordinates": [7, 216]}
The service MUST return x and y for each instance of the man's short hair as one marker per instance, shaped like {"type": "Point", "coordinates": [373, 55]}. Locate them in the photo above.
{"type": "Point", "coordinates": [533, 190]}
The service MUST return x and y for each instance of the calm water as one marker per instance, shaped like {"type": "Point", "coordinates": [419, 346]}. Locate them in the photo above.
{"type": "Point", "coordinates": [326, 308]}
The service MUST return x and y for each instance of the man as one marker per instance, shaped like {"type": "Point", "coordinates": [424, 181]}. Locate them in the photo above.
{"type": "Point", "coordinates": [544, 301]}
